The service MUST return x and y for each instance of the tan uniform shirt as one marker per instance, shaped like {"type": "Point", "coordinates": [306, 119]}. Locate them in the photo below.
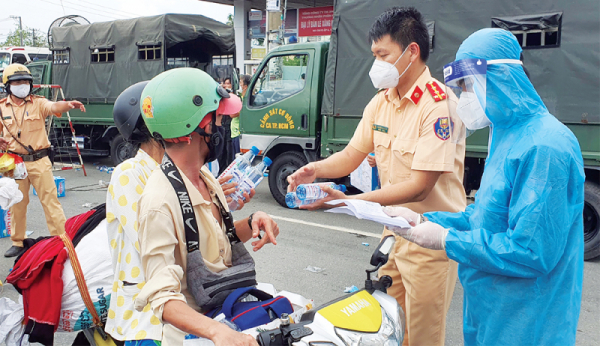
{"type": "Point", "coordinates": [28, 119]}
{"type": "Point", "coordinates": [412, 133]}
{"type": "Point", "coordinates": [162, 242]}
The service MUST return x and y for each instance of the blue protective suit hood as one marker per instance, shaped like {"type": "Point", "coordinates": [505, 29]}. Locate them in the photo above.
{"type": "Point", "coordinates": [510, 98]}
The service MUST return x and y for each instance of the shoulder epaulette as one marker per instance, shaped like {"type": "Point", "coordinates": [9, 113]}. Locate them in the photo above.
{"type": "Point", "coordinates": [436, 91]}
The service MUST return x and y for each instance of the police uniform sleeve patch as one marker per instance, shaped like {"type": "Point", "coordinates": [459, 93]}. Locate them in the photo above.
{"type": "Point", "coordinates": [442, 128]}
{"type": "Point", "coordinates": [436, 91]}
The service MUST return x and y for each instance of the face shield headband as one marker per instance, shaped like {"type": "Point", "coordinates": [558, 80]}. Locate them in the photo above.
{"type": "Point", "coordinates": [467, 79]}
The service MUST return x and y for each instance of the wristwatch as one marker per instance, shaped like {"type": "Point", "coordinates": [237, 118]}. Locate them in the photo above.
{"type": "Point", "coordinates": [250, 225]}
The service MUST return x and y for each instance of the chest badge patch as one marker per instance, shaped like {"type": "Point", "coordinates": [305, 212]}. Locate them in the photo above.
{"type": "Point", "coordinates": [442, 128]}
{"type": "Point", "coordinates": [380, 128]}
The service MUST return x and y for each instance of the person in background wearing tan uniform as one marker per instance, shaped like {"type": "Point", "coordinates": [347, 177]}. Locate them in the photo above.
{"type": "Point", "coordinates": [407, 126]}
{"type": "Point", "coordinates": [23, 133]}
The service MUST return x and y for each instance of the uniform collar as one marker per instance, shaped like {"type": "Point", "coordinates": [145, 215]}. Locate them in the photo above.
{"type": "Point", "coordinates": [415, 92]}
{"type": "Point", "coordinates": [10, 102]}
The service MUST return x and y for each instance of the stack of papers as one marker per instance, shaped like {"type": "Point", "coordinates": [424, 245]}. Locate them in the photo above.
{"type": "Point", "coordinates": [368, 211]}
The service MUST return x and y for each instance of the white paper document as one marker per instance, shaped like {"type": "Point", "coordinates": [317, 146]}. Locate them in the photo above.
{"type": "Point", "coordinates": [368, 211]}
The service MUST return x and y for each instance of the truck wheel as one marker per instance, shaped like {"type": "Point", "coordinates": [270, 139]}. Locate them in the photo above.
{"type": "Point", "coordinates": [591, 221]}
{"type": "Point", "coordinates": [283, 166]}
{"type": "Point", "coordinates": [120, 150]}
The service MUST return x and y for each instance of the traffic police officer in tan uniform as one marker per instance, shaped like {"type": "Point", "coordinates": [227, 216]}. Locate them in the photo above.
{"type": "Point", "coordinates": [23, 133]}
{"type": "Point", "coordinates": [407, 125]}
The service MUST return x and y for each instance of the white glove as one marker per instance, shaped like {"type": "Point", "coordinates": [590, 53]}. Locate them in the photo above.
{"type": "Point", "coordinates": [411, 217]}
{"type": "Point", "coordinates": [428, 235]}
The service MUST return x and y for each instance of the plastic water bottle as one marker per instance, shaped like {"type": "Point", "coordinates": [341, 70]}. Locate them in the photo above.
{"type": "Point", "coordinates": [292, 200]}
{"type": "Point", "coordinates": [313, 191]}
{"type": "Point", "coordinates": [240, 165]}
{"type": "Point", "coordinates": [253, 177]}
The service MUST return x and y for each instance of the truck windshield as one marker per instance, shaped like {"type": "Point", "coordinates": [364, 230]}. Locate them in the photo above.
{"type": "Point", "coordinates": [281, 77]}
{"type": "Point", "coordinates": [37, 71]}
{"type": "Point", "coordinates": [4, 60]}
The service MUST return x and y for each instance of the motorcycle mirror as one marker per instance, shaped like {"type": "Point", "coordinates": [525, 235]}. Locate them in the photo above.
{"type": "Point", "coordinates": [381, 254]}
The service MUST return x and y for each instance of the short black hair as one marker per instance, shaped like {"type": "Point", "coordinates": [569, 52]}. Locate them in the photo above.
{"type": "Point", "coordinates": [227, 79]}
{"type": "Point", "coordinates": [246, 79]}
{"type": "Point", "coordinates": [404, 25]}
{"type": "Point", "coordinates": [141, 134]}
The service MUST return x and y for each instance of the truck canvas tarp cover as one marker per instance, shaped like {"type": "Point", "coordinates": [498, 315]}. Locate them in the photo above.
{"type": "Point", "coordinates": [104, 81]}
{"type": "Point", "coordinates": [567, 76]}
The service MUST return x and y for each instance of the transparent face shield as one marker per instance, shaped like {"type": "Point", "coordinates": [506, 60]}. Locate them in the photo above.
{"type": "Point", "coordinates": [467, 80]}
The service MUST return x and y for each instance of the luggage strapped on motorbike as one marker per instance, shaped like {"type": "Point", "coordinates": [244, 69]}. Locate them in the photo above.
{"type": "Point", "coordinates": [98, 330]}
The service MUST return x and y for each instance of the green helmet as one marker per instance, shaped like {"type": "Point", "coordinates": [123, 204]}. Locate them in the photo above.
{"type": "Point", "coordinates": [175, 101]}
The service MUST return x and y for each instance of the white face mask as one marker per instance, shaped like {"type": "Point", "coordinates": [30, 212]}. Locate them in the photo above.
{"type": "Point", "coordinates": [20, 91]}
{"type": "Point", "coordinates": [470, 111]}
{"type": "Point", "coordinates": [385, 75]}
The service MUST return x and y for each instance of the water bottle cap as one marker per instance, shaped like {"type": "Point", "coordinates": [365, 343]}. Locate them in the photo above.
{"type": "Point", "coordinates": [342, 187]}
{"type": "Point", "coordinates": [290, 199]}
{"type": "Point", "coordinates": [267, 161]}
{"type": "Point", "coordinates": [254, 150]}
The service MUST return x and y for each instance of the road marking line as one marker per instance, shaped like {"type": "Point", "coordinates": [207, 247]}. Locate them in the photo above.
{"type": "Point", "coordinates": [335, 228]}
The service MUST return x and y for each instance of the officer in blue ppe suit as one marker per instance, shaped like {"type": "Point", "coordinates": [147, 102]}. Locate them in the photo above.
{"type": "Point", "coordinates": [520, 245]}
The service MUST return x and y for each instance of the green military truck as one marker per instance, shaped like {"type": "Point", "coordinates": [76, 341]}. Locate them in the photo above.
{"type": "Point", "coordinates": [306, 100]}
{"type": "Point", "coordinates": [94, 63]}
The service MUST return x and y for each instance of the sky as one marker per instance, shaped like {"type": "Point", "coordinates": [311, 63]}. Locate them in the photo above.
{"type": "Point", "coordinates": [39, 14]}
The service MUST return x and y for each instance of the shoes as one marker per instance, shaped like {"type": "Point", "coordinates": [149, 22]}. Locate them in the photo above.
{"type": "Point", "coordinates": [14, 251]}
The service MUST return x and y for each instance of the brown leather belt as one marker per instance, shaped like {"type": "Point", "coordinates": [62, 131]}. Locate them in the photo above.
{"type": "Point", "coordinates": [39, 154]}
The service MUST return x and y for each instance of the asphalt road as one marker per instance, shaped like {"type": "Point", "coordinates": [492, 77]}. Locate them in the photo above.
{"type": "Point", "coordinates": [307, 239]}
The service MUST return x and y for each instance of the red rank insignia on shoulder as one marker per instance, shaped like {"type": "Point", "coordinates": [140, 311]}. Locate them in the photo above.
{"type": "Point", "coordinates": [436, 91]}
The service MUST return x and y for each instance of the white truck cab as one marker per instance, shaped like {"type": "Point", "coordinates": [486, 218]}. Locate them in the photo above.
{"type": "Point", "coordinates": [22, 55]}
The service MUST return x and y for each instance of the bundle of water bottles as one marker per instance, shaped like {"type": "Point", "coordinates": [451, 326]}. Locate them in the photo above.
{"type": "Point", "coordinates": [309, 193]}
{"type": "Point", "coordinates": [246, 176]}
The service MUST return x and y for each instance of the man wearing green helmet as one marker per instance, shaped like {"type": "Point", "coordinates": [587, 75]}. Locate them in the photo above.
{"type": "Point", "coordinates": [181, 108]}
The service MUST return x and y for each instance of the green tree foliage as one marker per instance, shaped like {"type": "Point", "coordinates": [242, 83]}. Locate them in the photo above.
{"type": "Point", "coordinates": [230, 19]}
{"type": "Point", "coordinates": [14, 38]}
{"type": "Point", "coordinates": [296, 60]}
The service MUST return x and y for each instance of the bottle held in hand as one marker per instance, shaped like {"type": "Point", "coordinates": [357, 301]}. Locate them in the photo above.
{"type": "Point", "coordinates": [240, 165]}
{"type": "Point", "coordinates": [314, 191]}
{"type": "Point", "coordinates": [292, 200]}
{"type": "Point", "coordinates": [250, 181]}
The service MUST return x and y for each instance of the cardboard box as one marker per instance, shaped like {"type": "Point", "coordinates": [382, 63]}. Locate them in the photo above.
{"type": "Point", "coordinates": [365, 178]}
{"type": "Point", "coordinates": [60, 187]}
{"type": "Point", "coordinates": [4, 223]}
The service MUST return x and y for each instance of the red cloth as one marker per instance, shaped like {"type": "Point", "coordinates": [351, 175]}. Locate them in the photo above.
{"type": "Point", "coordinates": [38, 273]}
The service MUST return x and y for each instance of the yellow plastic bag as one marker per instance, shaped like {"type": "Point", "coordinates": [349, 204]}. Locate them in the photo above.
{"type": "Point", "coordinates": [103, 342]}
{"type": "Point", "coordinates": [7, 163]}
